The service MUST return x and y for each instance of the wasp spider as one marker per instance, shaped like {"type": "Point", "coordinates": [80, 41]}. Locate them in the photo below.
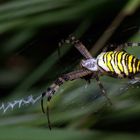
{"type": "Point", "coordinates": [117, 63]}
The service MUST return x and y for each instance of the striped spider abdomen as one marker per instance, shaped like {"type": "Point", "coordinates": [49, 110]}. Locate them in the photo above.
{"type": "Point", "coordinates": [118, 63]}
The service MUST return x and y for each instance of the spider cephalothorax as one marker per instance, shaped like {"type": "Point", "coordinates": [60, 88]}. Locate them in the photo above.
{"type": "Point", "coordinates": [90, 64]}
{"type": "Point", "coordinates": [117, 63]}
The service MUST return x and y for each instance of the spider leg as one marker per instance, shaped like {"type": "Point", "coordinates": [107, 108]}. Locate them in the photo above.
{"type": "Point", "coordinates": [125, 45]}
{"type": "Point", "coordinates": [42, 104]}
{"type": "Point", "coordinates": [48, 116]}
{"type": "Point", "coordinates": [57, 83]}
{"type": "Point", "coordinates": [47, 110]}
{"type": "Point", "coordinates": [120, 47]}
{"type": "Point", "coordinates": [78, 45]}
{"type": "Point", "coordinates": [83, 50]}
{"type": "Point", "coordinates": [103, 91]}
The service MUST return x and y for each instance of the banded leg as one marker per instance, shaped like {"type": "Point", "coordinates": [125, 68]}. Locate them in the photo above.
{"type": "Point", "coordinates": [55, 86]}
{"type": "Point", "coordinates": [121, 46]}
{"type": "Point", "coordinates": [103, 91]}
{"type": "Point", "coordinates": [125, 45]}
{"type": "Point", "coordinates": [83, 50]}
{"type": "Point", "coordinates": [78, 45]}
{"type": "Point", "coordinates": [132, 44]}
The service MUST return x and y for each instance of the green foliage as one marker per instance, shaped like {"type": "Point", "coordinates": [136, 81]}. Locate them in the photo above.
{"type": "Point", "coordinates": [30, 31]}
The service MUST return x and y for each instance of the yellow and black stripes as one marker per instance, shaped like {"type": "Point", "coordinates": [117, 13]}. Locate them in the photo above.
{"type": "Point", "coordinates": [116, 63]}
{"type": "Point", "coordinates": [119, 63]}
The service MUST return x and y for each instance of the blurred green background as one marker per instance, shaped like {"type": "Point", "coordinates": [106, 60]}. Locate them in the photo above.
{"type": "Point", "coordinates": [30, 31]}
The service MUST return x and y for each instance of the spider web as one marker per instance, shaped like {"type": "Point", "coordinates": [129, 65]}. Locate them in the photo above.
{"type": "Point", "coordinates": [19, 103]}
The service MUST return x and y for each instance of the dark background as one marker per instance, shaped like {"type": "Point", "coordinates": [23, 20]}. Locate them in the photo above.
{"type": "Point", "coordinates": [30, 31]}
